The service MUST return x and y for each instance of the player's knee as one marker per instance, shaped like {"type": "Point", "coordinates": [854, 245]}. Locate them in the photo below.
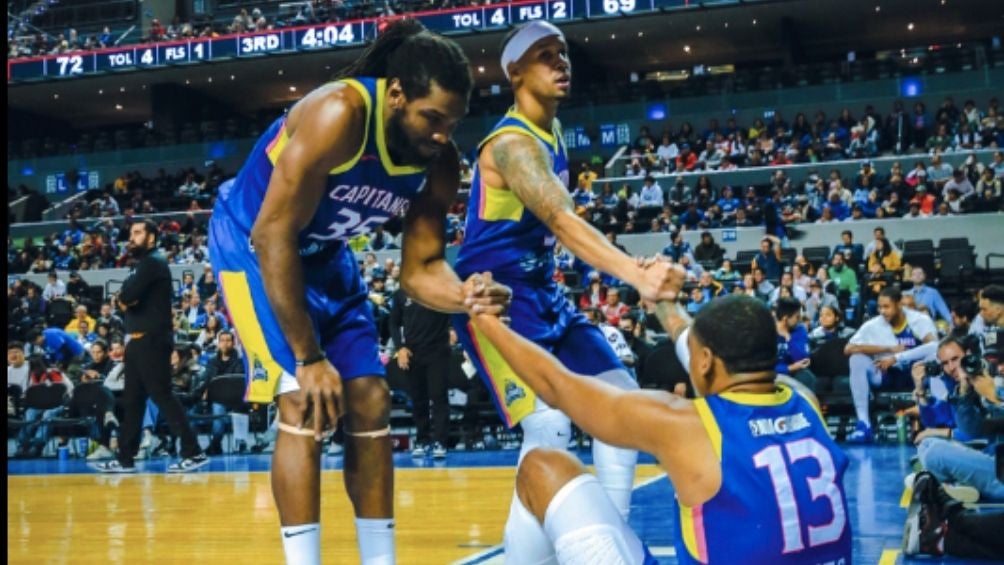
{"type": "Point", "coordinates": [929, 452]}
{"type": "Point", "coordinates": [367, 404]}
{"type": "Point", "coordinates": [541, 474]}
{"type": "Point", "coordinates": [859, 363]}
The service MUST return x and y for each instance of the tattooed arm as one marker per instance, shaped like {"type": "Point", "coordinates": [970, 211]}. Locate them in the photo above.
{"type": "Point", "coordinates": [526, 169]}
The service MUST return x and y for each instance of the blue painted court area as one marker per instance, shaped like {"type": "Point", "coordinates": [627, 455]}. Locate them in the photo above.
{"type": "Point", "coordinates": [874, 486]}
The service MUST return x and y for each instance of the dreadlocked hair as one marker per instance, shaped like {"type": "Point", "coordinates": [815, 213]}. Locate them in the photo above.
{"type": "Point", "coordinates": [409, 52]}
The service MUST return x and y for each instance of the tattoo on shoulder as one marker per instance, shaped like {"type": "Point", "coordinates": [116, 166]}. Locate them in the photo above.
{"type": "Point", "coordinates": [526, 168]}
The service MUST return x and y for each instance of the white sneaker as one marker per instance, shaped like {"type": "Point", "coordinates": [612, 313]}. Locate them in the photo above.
{"type": "Point", "coordinates": [335, 449]}
{"type": "Point", "coordinates": [438, 451]}
{"type": "Point", "coordinates": [101, 453]}
{"type": "Point", "coordinates": [112, 466]}
{"type": "Point", "coordinates": [188, 464]}
{"type": "Point", "coordinates": [420, 450]}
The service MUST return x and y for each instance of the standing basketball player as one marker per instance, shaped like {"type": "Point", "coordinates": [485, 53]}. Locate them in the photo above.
{"type": "Point", "coordinates": [349, 156]}
{"type": "Point", "coordinates": [520, 207]}
{"type": "Point", "coordinates": [757, 477]}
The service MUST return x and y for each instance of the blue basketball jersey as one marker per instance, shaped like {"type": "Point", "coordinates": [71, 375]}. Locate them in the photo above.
{"type": "Point", "coordinates": [501, 235]}
{"type": "Point", "coordinates": [361, 193]}
{"type": "Point", "coordinates": [782, 496]}
{"type": "Point", "coordinates": [905, 336]}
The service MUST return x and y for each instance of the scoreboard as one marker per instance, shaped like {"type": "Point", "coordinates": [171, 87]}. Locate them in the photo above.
{"type": "Point", "coordinates": [329, 35]}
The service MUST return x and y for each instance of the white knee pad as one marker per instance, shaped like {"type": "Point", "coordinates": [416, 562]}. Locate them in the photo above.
{"type": "Point", "coordinates": [586, 528]}
{"type": "Point", "coordinates": [525, 542]}
{"type": "Point", "coordinates": [595, 545]}
{"type": "Point", "coordinates": [548, 428]}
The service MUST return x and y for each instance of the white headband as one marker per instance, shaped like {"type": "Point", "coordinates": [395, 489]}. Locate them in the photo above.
{"type": "Point", "coordinates": [524, 39]}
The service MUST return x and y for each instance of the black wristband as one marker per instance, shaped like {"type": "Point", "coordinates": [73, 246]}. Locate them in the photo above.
{"type": "Point", "coordinates": [316, 358]}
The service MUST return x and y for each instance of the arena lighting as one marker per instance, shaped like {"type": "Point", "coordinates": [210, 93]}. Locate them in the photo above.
{"type": "Point", "coordinates": [909, 26]}
{"type": "Point", "coordinates": [656, 111]}
{"type": "Point", "coordinates": [911, 87]}
{"type": "Point", "coordinates": [292, 89]}
{"type": "Point", "coordinates": [121, 89]}
{"type": "Point", "coordinates": [56, 96]}
{"type": "Point", "coordinates": [118, 106]}
{"type": "Point", "coordinates": [481, 69]}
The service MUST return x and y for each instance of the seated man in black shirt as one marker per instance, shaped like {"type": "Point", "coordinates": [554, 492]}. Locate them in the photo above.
{"type": "Point", "coordinates": [708, 251]}
{"type": "Point", "coordinates": [225, 362]}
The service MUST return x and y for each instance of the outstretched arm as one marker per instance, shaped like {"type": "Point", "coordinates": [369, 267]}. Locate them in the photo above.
{"type": "Point", "coordinates": [633, 419]}
{"type": "Point", "coordinates": [425, 274]}
{"type": "Point", "coordinates": [526, 169]}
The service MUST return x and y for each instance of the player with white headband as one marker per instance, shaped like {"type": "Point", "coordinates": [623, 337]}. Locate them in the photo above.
{"type": "Point", "coordinates": [520, 206]}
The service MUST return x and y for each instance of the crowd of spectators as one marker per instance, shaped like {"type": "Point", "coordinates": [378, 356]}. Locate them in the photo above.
{"type": "Point", "coordinates": [29, 41]}
{"type": "Point", "coordinates": [928, 187]}
{"type": "Point", "coordinates": [817, 139]}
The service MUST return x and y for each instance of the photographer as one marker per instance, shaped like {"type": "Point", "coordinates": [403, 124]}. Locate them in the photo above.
{"type": "Point", "coordinates": [979, 398]}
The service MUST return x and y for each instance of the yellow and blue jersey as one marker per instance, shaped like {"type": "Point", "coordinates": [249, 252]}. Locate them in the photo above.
{"type": "Point", "coordinates": [365, 191]}
{"type": "Point", "coordinates": [361, 193]}
{"type": "Point", "coordinates": [504, 237]}
{"type": "Point", "coordinates": [501, 235]}
{"type": "Point", "coordinates": [782, 496]}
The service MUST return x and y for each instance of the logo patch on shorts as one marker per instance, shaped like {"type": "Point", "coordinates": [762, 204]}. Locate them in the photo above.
{"type": "Point", "coordinates": [513, 392]}
{"type": "Point", "coordinates": [258, 372]}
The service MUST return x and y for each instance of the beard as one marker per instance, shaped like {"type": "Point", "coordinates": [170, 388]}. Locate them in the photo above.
{"type": "Point", "coordinates": [137, 251]}
{"type": "Point", "coordinates": [402, 147]}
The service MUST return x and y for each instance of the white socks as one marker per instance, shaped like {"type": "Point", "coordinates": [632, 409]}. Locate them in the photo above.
{"type": "Point", "coordinates": [376, 540]}
{"type": "Point", "coordinates": [615, 470]}
{"type": "Point", "coordinates": [614, 465]}
{"type": "Point", "coordinates": [302, 544]}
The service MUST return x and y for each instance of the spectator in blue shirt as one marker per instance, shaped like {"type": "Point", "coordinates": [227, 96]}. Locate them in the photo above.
{"type": "Point", "coordinates": [677, 247]}
{"type": "Point", "coordinates": [792, 342]}
{"type": "Point", "coordinates": [769, 257]}
{"type": "Point", "coordinates": [929, 297]}
{"type": "Point", "coordinates": [854, 253]}
{"type": "Point", "coordinates": [728, 203]}
{"type": "Point", "coordinates": [691, 217]}
{"type": "Point", "coordinates": [73, 232]}
{"type": "Point", "coordinates": [210, 311]}
{"type": "Point", "coordinates": [61, 348]}
{"type": "Point", "coordinates": [838, 208]}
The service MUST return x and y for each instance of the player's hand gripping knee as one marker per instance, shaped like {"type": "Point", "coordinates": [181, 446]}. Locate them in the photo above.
{"type": "Point", "coordinates": [322, 389]}
{"type": "Point", "coordinates": [485, 296]}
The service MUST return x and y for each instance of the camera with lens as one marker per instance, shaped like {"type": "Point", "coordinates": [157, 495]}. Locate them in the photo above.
{"type": "Point", "coordinates": [933, 368]}
{"type": "Point", "coordinates": [972, 362]}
